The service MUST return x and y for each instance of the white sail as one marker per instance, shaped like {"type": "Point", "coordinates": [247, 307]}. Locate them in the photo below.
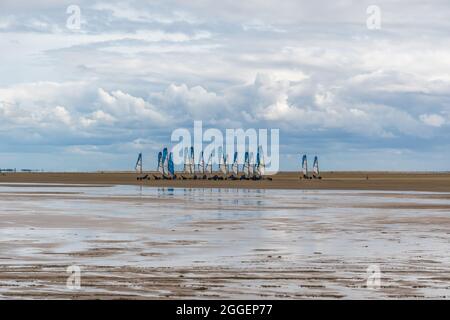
{"type": "Point", "coordinates": [224, 164]}
{"type": "Point", "coordinates": [246, 167]}
{"type": "Point", "coordinates": [192, 162]}
{"type": "Point", "coordinates": [235, 166]}
{"type": "Point", "coordinates": [305, 165]}
{"type": "Point", "coordinates": [209, 165]}
{"type": "Point", "coordinates": [187, 163]}
{"type": "Point", "coordinates": [261, 164]}
{"type": "Point", "coordinates": [316, 166]}
{"type": "Point", "coordinates": [251, 166]}
{"type": "Point", "coordinates": [160, 163]}
{"type": "Point", "coordinates": [166, 162]}
{"type": "Point", "coordinates": [201, 164]}
{"type": "Point", "coordinates": [138, 166]}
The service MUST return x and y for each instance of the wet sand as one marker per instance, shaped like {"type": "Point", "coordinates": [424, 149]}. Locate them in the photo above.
{"type": "Point", "coordinates": [138, 242]}
{"type": "Point", "coordinates": [437, 182]}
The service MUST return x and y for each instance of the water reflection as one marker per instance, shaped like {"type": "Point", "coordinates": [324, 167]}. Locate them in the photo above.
{"type": "Point", "coordinates": [184, 225]}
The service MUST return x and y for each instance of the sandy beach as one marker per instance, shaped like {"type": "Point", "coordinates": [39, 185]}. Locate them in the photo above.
{"type": "Point", "coordinates": [144, 242]}
{"type": "Point", "coordinates": [437, 182]}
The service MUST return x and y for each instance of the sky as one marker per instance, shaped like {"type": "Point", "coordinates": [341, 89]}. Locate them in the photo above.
{"type": "Point", "coordinates": [93, 98]}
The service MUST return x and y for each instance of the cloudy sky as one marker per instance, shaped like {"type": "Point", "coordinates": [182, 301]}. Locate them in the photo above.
{"type": "Point", "coordinates": [91, 99]}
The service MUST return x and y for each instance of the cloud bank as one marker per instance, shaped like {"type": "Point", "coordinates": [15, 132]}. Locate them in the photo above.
{"type": "Point", "coordinates": [90, 99]}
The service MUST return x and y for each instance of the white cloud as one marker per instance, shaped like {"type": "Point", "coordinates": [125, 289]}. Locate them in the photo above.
{"type": "Point", "coordinates": [141, 14]}
{"type": "Point", "coordinates": [97, 117]}
{"type": "Point", "coordinates": [44, 105]}
{"type": "Point", "coordinates": [61, 114]}
{"type": "Point", "coordinates": [433, 120]}
{"type": "Point", "coordinates": [193, 103]}
{"type": "Point", "coordinates": [6, 22]}
{"type": "Point", "coordinates": [259, 25]}
{"type": "Point", "coordinates": [128, 108]}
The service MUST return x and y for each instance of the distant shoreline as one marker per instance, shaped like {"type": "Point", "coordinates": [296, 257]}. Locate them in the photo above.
{"type": "Point", "coordinates": [358, 180]}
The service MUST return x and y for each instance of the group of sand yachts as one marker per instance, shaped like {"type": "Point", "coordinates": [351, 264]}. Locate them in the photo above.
{"type": "Point", "coordinates": [203, 170]}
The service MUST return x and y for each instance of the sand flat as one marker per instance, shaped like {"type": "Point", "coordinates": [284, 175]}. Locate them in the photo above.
{"type": "Point", "coordinates": [140, 242]}
{"type": "Point", "coordinates": [435, 182]}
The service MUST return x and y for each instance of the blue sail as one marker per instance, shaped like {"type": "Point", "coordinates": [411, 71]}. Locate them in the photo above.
{"type": "Point", "coordinates": [305, 165]}
{"type": "Point", "coordinates": [138, 165]}
{"type": "Point", "coordinates": [160, 162]}
{"type": "Point", "coordinates": [170, 165]}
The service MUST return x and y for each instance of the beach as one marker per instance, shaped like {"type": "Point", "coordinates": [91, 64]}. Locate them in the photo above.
{"type": "Point", "coordinates": [297, 240]}
{"type": "Point", "coordinates": [400, 181]}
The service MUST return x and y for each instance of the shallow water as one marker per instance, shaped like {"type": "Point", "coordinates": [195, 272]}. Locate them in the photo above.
{"type": "Point", "coordinates": [340, 233]}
